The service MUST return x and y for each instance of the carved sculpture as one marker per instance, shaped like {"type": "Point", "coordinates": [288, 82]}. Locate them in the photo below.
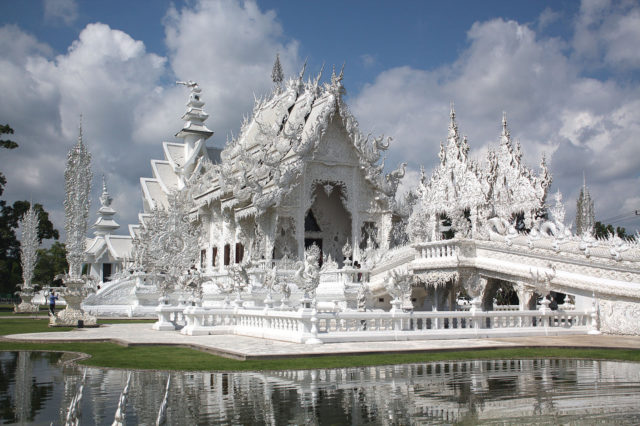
{"type": "Point", "coordinates": [77, 176]}
{"type": "Point", "coordinates": [308, 274]}
{"type": "Point", "coordinates": [28, 256]}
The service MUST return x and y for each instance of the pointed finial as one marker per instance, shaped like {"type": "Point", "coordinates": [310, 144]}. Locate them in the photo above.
{"type": "Point", "coordinates": [504, 123]}
{"type": "Point", "coordinates": [453, 128]}
{"type": "Point", "coordinates": [341, 76]}
{"type": "Point", "coordinates": [80, 130]}
{"type": "Point", "coordinates": [584, 180]}
{"type": "Point", "coordinates": [105, 199]}
{"type": "Point", "coordinates": [319, 74]}
{"type": "Point", "coordinates": [304, 67]}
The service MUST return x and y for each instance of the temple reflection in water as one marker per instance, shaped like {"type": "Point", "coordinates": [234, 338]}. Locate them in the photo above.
{"type": "Point", "coordinates": [39, 388]}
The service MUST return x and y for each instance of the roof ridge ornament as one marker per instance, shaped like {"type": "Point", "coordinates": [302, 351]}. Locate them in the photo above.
{"type": "Point", "coordinates": [105, 198]}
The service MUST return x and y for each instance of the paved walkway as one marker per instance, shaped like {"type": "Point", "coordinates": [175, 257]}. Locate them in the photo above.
{"type": "Point", "coordinates": [241, 347]}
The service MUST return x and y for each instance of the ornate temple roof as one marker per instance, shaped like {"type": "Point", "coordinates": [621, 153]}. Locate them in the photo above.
{"type": "Point", "coordinates": [456, 183]}
{"type": "Point", "coordinates": [504, 186]}
{"type": "Point", "coordinates": [261, 165]}
{"type": "Point", "coordinates": [514, 188]}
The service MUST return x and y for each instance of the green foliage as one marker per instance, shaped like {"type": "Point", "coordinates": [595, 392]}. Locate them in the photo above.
{"type": "Point", "coordinates": [51, 262]}
{"type": "Point", "coordinates": [8, 144]}
{"type": "Point", "coordinates": [602, 231]}
{"type": "Point", "coordinates": [10, 215]}
{"type": "Point", "coordinates": [10, 267]}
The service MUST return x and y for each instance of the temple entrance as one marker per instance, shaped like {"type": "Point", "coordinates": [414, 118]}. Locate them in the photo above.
{"type": "Point", "coordinates": [327, 222]}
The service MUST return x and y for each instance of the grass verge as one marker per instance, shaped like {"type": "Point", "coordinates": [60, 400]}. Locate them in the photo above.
{"type": "Point", "coordinates": [175, 358]}
{"type": "Point", "coordinates": [41, 325]}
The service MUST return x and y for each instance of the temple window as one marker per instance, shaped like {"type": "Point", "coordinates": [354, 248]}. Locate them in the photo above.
{"type": "Point", "coordinates": [227, 254]}
{"type": "Point", "coordinates": [214, 256]}
{"type": "Point", "coordinates": [203, 259]}
{"type": "Point", "coordinates": [239, 252]}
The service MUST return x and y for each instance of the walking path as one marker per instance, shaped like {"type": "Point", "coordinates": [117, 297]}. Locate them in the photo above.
{"type": "Point", "coordinates": [241, 347]}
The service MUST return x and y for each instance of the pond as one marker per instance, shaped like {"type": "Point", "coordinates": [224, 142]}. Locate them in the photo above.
{"type": "Point", "coordinates": [38, 388]}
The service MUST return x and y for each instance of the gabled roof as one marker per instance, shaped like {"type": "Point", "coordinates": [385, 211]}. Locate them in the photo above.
{"type": "Point", "coordinates": [265, 161]}
{"type": "Point", "coordinates": [117, 246]}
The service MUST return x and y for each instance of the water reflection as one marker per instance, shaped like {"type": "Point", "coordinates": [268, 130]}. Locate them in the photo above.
{"type": "Point", "coordinates": [37, 388]}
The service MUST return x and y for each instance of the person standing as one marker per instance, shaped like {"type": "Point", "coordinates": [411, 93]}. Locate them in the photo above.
{"type": "Point", "coordinates": [52, 302]}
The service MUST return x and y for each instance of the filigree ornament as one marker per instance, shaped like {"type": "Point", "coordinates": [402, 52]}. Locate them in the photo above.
{"type": "Point", "coordinates": [399, 285]}
{"type": "Point", "coordinates": [29, 243]}
{"type": "Point", "coordinates": [478, 201]}
{"type": "Point", "coordinates": [167, 246]}
{"type": "Point", "coordinates": [77, 177]}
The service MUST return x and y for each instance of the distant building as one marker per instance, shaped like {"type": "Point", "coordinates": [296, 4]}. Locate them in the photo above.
{"type": "Point", "coordinates": [106, 253]}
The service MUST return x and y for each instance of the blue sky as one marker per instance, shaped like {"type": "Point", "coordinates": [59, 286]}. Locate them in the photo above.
{"type": "Point", "coordinates": [566, 73]}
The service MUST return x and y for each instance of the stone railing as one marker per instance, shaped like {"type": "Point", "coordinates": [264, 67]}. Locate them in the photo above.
{"type": "Point", "coordinates": [170, 317]}
{"type": "Point", "coordinates": [438, 249]}
{"type": "Point", "coordinates": [309, 326]}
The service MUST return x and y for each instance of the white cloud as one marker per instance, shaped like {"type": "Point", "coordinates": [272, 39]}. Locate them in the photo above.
{"type": "Point", "coordinates": [608, 34]}
{"type": "Point", "coordinates": [121, 90]}
{"type": "Point", "coordinates": [368, 60]}
{"type": "Point", "coordinates": [547, 17]}
{"type": "Point", "coordinates": [584, 123]}
{"type": "Point", "coordinates": [103, 75]}
{"type": "Point", "coordinates": [61, 11]}
{"type": "Point", "coordinates": [229, 49]}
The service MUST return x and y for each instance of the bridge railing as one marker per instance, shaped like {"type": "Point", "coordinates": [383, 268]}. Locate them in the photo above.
{"type": "Point", "coordinates": [304, 325]}
{"type": "Point", "coordinates": [438, 249]}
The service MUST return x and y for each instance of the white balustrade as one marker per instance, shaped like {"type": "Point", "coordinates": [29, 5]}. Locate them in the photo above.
{"type": "Point", "coordinates": [298, 326]}
{"type": "Point", "coordinates": [438, 249]}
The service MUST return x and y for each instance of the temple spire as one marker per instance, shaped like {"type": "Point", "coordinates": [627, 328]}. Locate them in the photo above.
{"type": "Point", "coordinates": [505, 130]}
{"type": "Point", "coordinates": [105, 224]}
{"type": "Point", "coordinates": [585, 214]}
{"type": "Point", "coordinates": [453, 128]}
{"type": "Point", "coordinates": [194, 117]}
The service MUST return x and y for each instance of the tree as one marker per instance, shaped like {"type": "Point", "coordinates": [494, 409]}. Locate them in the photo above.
{"type": "Point", "coordinates": [51, 262]}
{"type": "Point", "coordinates": [602, 231]}
{"type": "Point", "coordinates": [8, 144]}
{"type": "Point", "coordinates": [10, 215]}
{"type": "Point", "coordinates": [10, 268]}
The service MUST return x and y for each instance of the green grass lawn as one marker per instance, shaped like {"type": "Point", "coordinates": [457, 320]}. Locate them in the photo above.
{"type": "Point", "coordinates": [159, 357]}
{"type": "Point", "coordinates": [176, 358]}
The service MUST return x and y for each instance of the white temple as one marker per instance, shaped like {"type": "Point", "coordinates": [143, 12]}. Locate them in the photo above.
{"type": "Point", "coordinates": [300, 183]}
{"type": "Point", "coordinates": [106, 252]}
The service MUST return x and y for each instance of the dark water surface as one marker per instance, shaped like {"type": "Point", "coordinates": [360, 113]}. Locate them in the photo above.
{"type": "Point", "coordinates": [37, 388]}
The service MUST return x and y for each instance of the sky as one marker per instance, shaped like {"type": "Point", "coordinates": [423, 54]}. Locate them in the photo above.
{"type": "Point", "coordinates": [567, 74]}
